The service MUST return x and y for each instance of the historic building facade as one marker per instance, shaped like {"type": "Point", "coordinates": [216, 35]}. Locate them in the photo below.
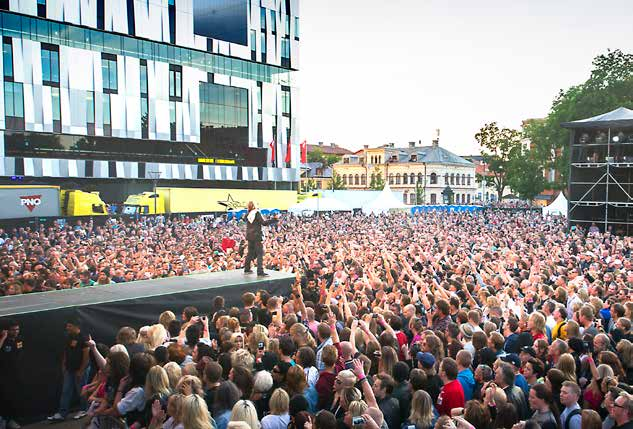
{"type": "Point", "coordinates": [424, 174]}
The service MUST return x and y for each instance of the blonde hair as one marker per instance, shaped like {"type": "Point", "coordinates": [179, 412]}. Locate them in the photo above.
{"type": "Point", "coordinates": [301, 335]}
{"type": "Point", "coordinates": [195, 414]}
{"type": "Point", "coordinates": [567, 365]}
{"type": "Point", "coordinates": [244, 358]}
{"type": "Point", "coordinates": [156, 336]}
{"type": "Point", "coordinates": [193, 381]}
{"type": "Point", "coordinates": [174, 372]}
{"type": "Point", "coordinates": [166, 317]}
{"type": "Point", "coordinates": [157, 382]}
{"type": "Point", "coordinates": [357, 408]}
{"type": "Point", "coordinates": [279, 402]}
{"type": "Point", "coordinates": [119, 348]}
{"type": "Point", "coordinates": [572, 329]}
{"type": "Point", "coordinates": [245, 411]}
{"type": "Point", "coordinates": [238, 425]}
{"type": "Point", "coordinates": [254, 339]}
{"type": "Point", "coordinates": [178, 401]}
{"type": "Point", "coordinates": [421, 409]}
{"type": "Point", "coordinates": [538, 321]}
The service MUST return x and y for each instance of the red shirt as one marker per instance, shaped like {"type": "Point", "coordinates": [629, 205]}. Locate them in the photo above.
{"type": "Point", "coordinates": [451, 396]}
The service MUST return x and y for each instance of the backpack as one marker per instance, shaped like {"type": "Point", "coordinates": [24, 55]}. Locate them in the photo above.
{"type": "Point", "coordinates": [567, 422]}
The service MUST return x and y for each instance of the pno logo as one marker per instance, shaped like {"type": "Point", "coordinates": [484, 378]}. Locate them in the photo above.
{"type": "Point", "coordinates": [31, 201]}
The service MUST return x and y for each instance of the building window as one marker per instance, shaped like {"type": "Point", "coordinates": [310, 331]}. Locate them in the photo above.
{"type": "Point", "coordinates": [468, 198]}
{"type": "Point", "coordinates": [41, 8]}
{"type": "Point", "coordinates": [446, 181]}
{"type": "Point", "coordinates": [287, 25]}
{"type": "Point", "coordinates": [14, 105]}
{"type": "Point", "coordinates": [464, 180]}
{"type": "Point", "coordinates": [433, 199]}
{"type": "Point", "coordinates": [391, 179]}
{"type": "Point", "coordinates": [344, 179]}
{"type": "Point", "coordinates": [357, 180]}
{"type": "Point", "coordinates": [457, 179]}
{"type": "Point", "coordinates": [223, 106]}
{"type": "Point", "coordinates": [363, 180]}
{"type": "Point", "coordinates": [7, 58]}
{"type": "Point", "coordinates": [452, 178]}
{"type": "Point", "coordinates": [263, 18]}
{"type": "Point", "coordinates": [109, 73]}
{"type": "Point", "coordinates": [412, 179]}
{"type": "Point", "coordinates": [456, 198]}
{"type": "Point", "coordinates": [469, 178]}
{"type": "Point", "coordinates": [144, 101]}
{"type": "Point", "coordinates": [175, 83]}
{"type": "Point", "coordinates": [171, 7]}
{"type": "Point", "coordinates": [405, 198]}
{"type": "Point", "coordinates": [397, 178]}
{"type": "Point", "coordinates": [296, 27]}
{"type": "Point", "coordinates": [90, 112]}
{"type": "Point", "coordinates": [50, 64]}
{"type": "Point", "coordinates": [259, 97]}
{"type": "Point", "coordinates": [4, 5]}
{"type": "Point", "coordinates": [420, 178]}
{"type": "Point", "coordinates": [107, 116]}
{"type": "Point", "coordinates": [263, 40]}
{"type": "Point", "coordinates": [405, 179]}
{"type": "Point", "coordinates": [273, 21]}
{"type": "Point", "coordinates": [172, 120]}
{"type": "Point", "coordinates": [285, 52]}
{"type": "Point", "coordinates": [412, 196]}
{"type": "Point", "coordinates": [57, 115]}
{"type": "Point", "coordinates": [285, 101]}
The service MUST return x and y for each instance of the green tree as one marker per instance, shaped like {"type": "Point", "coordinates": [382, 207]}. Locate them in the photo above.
{"type": "Point", "coordinates": [337, 181]}
{"type": "Point", "coordinates": [419, 193]}
{"type": "Point", "coordinates": [525, 175]}
{"type": "Point", "coordinates": [377, 183]}
{"type": "Point", "coordinates": [498, 147]}
{"type": "Point", "coordinates": [609, 86]}
{"type": "Point", "coordinates": [327, 160]}
{"type": "Point", "coordinates": [309, 185]}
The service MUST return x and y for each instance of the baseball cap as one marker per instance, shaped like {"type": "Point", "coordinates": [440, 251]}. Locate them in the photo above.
{"type": "Point", "coordinates": [512, 358]}
{"type": "Point", "coordinates": [426, 359]}
{"type": "Point", "coordinates": [529, 350]}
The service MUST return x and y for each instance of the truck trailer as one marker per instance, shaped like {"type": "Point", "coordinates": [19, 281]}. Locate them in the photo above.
{"type": "Point", "coordinates": [203, 200]}
{"type": "Point", "coordinates": [18, 202]}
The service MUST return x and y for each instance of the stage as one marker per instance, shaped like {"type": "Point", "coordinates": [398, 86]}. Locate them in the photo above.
{"type": "Point", "coordinates": [102, 310]}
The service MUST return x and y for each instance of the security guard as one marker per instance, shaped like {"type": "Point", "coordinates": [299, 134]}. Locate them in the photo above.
{"type": "Point", "coordinates": [11, 347]}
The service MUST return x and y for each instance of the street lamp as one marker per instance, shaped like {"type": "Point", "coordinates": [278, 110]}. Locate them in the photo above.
{"type": "Point", "coordinates": [155, 175]}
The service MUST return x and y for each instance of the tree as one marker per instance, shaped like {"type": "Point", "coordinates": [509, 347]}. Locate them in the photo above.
{"type": "Point", "coordinates": [419, 193]}
{"type": "Point", "coordinates": [309, 185]}
{"type": "Point", "coordinates": [337, 181]}
{"type": "Point", "coordinates": [377, 183]}
{"type": "Point", "coordinates": [525, 175]}
{"type": "Point", "coordinates": [327, 160]}
{"type": "Point", "coordinates": [498, 146]}
{"type": "Point", "coordinates": [609, 86]}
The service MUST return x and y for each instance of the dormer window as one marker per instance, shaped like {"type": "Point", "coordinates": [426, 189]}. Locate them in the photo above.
{"type": "Point", "coordinates": [414, 158]}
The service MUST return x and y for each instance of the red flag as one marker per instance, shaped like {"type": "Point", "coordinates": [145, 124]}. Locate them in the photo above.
{"type": "Point", "coordinates": [304, 151]}
{"type": "Point", "coordinates": [272, 151]}
{"type": "Point", "coordinates": [288, 152]}
{"type": "Point", "coordinates": [227, 243]}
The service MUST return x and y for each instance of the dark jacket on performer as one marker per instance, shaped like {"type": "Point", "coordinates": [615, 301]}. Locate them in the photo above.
{"type": "Point", "coordinates": [254, 229]}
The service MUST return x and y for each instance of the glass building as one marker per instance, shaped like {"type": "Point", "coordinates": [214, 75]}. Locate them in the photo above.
{"type": "Point", "coordinates": [112, 94]}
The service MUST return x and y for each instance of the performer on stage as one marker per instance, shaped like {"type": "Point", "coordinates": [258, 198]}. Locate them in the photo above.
{"type": "Point", "coordinates": [254, 223]}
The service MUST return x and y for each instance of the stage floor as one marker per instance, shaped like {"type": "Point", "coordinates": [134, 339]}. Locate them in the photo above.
{"type": "Point", "coordinates": [55, 300]}
{"type": "Point", "coordinates": [102, 310]}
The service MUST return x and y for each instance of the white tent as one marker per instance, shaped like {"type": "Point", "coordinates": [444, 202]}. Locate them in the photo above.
{"type": "Point", "coordinates": [325, 204]}
{"type": "Point", "coordinates": [557, 207]}
{"type": "Point", "coordinates": [384, 202]}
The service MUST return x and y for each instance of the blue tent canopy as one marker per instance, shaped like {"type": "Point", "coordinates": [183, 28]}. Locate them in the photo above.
{"type": "Point", "coordinates": [451, 208]}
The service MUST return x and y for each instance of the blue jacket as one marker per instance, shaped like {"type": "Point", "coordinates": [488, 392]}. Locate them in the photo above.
{"type": "Point", "coordinates": [467, 379]}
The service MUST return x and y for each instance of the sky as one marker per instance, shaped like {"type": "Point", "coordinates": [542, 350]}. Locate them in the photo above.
{"type": "Point", "coordinates": [373, 72]}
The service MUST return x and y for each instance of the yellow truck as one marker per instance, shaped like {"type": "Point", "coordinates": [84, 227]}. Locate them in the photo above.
{"type": "Point", "coordinates": [205, 200]}
{"type": "Point", "coordinates": [27, 201]}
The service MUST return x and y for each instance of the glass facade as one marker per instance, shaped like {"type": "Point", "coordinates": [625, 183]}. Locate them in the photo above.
{"type": "Point", "coordinates": [41, 30]}
{"type": "Point", "coordinates": [7, 58]}
{"type": "Point", "coordinates": [50, 64]}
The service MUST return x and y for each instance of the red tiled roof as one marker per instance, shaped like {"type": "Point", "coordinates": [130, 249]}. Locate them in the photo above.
{"type": "Point", "coordinates": [329, 149]}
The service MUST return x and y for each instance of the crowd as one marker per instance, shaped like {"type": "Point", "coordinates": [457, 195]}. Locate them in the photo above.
{"type": "Point", "coordinates": [439, 320]}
